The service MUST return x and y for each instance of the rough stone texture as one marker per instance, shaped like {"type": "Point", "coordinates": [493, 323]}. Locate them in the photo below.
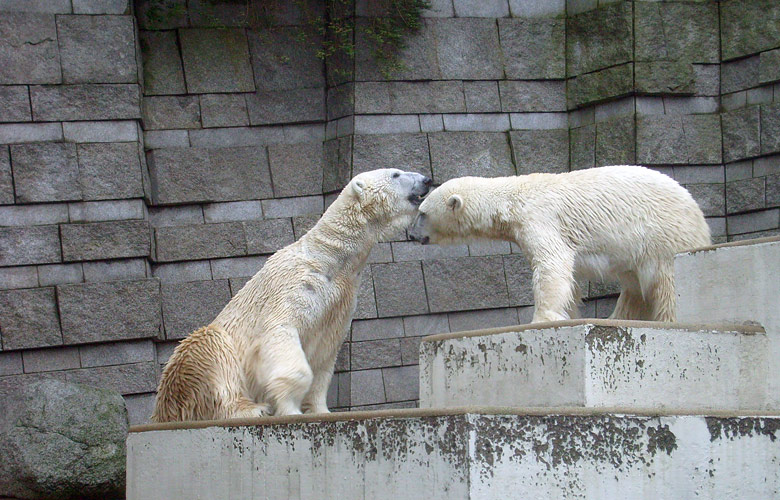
{"type": "Point", "coordinates": [533, 48]}
{"type": "Point", "coordinates": [189, 306]}
{"type": "Point", "coordinates": [85, 102]}
{"type": "Point", "coordinates": [293, 207]}
{"type": "Point", "coordinates": [296, 169]}
{"type": "Point", "coordinates": [375, 329]}
{"type": "Point", "coordinates": [114, 270]}
{"type": "Point", "coordinates": [540, 151]}
{"type": "Point", "coordinates": [664, 77]}
{"type": "Point", "coordinates": [738, 21]}
{"type": "Point", "coordinates": [97, 49]}
{"type": "Point", "coordinates": [745, 195]}
{"type": "Point", "coordinates": [677, 32]}
{"type": "Point", "coordinates": [740, 75]}
{"type": "Point", "coordinates": [674, 139]}
{"type": "Point", "coordinates": [223, 110]}
{"type": "Point", "coordinates": [741, 133]}
{"type": "Point", "coordinates": [14, 104]}
{"type": "Point", "coordinates": [616, 142]}
{"type": "Point", "coordinates": [524, 96]}
{"type": "Point", "coordinates": [366, 387]}
{"type": "Point", "coordinates": [63, 440]}
{"type": "Point", "coordinates": [171, 112]}
{"type": "Point", "coordinates": [282, 62]}
{"type": "Point", "coordinates": [455, 154]}
{"type": "Point", "coordinates": [409, 97]}
{"type": "Point", "coordinates": [404, 151]}
{"type": "Point", "coordinates": [286, 106]}
{"type": "Point", "coordinates": [105, 240]}
{"type": "Point", "coordinates": [465, 283]}
{"type": "Point", "coordinates": [608, 83]}
{"type": "Point", "coordinates": [29, 245]}
{"type": "Point", "coordinates": [599, 38]}
{"type": "Point", "coordinates": [468, 49]}
{"type": "Point", "coordinates": [769, 66]}
{"type": "Point", "coordinates": [268, 236]}
{"type": "Point", "coordinates": [400, 289]}
{"type": "Point", "coordinates": [770, 128]}
{"type": "Point", "coordinates": [28, 45]}
{"type": "Point", "coordinates": [200, 174]}
{"type": "Point", "coordinates": [419, 57]}
{"type": "Point", "coordinates": [6, 181]}
{"type": "Point", "coordinates": [201, 241]}
{"type": "Point", "coordinates": [375, 354]}
{"type": "Point", "coordinates": [303, 223]}
{"type": "Point", "coordinates": [29, 318]}
{"type": "Point", "coordinates": [100, 6]}
{"type": "Point", "coordinates": [45, 172]}
{"type": "Point", "coordinates": [519, 277]}
{"type": "Point", "coordinates": [710, 198]}
{"type": "Point", "coordinates": [216, 60]}
{"type": "Point", "coordinates": [100, 312]}
{"type": "Point", "coordinates": [110, 171]}
{"type": "Point", "coordinates": [163, 72]}
{"type": "Point", "coordinates": [481, 97]}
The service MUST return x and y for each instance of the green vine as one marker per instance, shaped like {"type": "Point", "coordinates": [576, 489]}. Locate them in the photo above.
{"type": "Point", "coordinates": [335, 24]}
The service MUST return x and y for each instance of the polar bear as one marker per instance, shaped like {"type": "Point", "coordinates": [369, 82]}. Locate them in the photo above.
{"type": "Point", "coordinates": [273, 347]}
{"type": "Point", "coordinates": [622, 223]}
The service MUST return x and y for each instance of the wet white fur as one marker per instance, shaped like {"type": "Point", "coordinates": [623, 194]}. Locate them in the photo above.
{"type": "Point", "coordinates": [622, 223]}
{"type": "Point", "coordinates": [273, 347]}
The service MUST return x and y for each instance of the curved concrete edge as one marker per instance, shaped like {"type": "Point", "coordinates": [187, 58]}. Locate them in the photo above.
{"type": "Point", "coordinates": [440, 412]}
{"type": "Point", "coordinates": [691, 327]}
{"type": "Point", "coordinates": [756, 241]}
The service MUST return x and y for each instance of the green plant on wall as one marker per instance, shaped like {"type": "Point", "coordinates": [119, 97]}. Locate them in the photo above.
{"type": "Point", "coordinates": [384, 30]}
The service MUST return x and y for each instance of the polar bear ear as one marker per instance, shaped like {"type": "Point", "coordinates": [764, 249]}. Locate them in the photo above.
{"type": "Point", "coordinates": [455, 202]}
{"type": "Point", "coordinates": [358, 186]}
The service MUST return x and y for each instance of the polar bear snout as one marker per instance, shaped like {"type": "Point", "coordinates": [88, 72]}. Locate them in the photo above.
{"type": "Point", "coordinates": [418, 230]}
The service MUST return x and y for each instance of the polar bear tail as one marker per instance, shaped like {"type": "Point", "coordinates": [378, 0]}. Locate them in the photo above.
{"type": "Point", "coordinates": [202, 381]}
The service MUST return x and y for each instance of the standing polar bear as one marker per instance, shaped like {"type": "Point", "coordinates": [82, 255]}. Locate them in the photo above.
{"type": "Point", "coordinates": [273, 347]}
{"type": "Point", "coordinates": [621, 223]}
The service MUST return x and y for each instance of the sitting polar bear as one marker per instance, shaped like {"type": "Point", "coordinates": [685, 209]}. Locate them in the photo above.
{"type": "Point", "coordinates": [273, 347]}
{"type": "Point", "coordinates": [622, 222]}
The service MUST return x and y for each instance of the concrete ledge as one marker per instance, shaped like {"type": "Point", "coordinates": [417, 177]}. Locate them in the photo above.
{"type": "Point", "coordinates": [635, 365]}
{"type": "Point", "coordinates": [461, 455]}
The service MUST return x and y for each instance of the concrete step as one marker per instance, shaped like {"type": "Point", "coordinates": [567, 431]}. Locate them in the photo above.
{"type": "Point", "coordinates": [472, 453]}
{"type": "Point", "coordinates": [734, 282]}
{"type": "Point", "coordinates": [600, 363]}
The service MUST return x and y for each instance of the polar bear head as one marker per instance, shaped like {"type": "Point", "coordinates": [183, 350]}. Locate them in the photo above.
{"type": "Point", "coordinates": [455, 212]}
{"type": "Point", "coordinates": [387, 198]}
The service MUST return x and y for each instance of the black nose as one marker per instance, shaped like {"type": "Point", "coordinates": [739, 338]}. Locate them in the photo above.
{"type": "Point", "coordinates": [427, 181]}
{"type": "Point", "coordinates": [412, 237]}
{"type": "Point", "coordinates": [425, 240]}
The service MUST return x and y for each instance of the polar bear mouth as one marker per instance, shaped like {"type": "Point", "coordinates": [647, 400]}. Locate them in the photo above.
{"type": "Point", "coordinates": [416, 199]}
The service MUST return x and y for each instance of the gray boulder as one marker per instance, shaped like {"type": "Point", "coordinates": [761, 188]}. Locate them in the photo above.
{"type": "Point", "coordinates": [62, 441]}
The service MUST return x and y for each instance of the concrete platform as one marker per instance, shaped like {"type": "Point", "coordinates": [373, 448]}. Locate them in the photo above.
{"type": "Point", "coordinates": [600, 363]}
{"type": "Point", "coordinates": [471, 453]}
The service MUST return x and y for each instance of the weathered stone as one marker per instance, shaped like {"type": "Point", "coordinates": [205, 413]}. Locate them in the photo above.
{"type": "Point", "coordinates": [158, 139]}
{"type": "Point", "coordinates": [110, 171]}
{"type": "Point", "coordinates": [752, 222]}
{"type": "Point", "coordinates": [45, 172]}
{"type": "Point", "coordinates": [533, 48]}
{"type": "Point", "coordinates": [686, 32]}
{"type": "Point", "coordinates": [365, 305]}
{"type": "Point", "coordinates": [29, 318]}
{"type": "Point", "coordinates": [540, 151]}
{"type": "Point", "coordinates": [296, 169]}
{"type": "Point", "coordinates": [293, 207]}
{"type": "Point", "coordinates": [740, 75]}
{"type": "Point", "coordinates": [404, 151]}
{"type": "Point", "coordinates": [181, 272]}
{"type": "Point", "coordinates": [216, 60]}
{"type": "Point", "coordinates": [476, 320]}
{"type": "Point", "coordinates": [522, 96]}
{"type": "Point", "coordinates": [773, 190]}
{"type": "Point", "coordinates": [155, 15]}
{"type": "Point", "coordinates": [97, 49]}
{"type": "Point", "coordinates": [481, 97]}
{"type": "Point", "coordinates": [400, 289]}
{"type": "Point", "coordinates": [30, 132]}
{"type": "Point", "coordinates": [223, 110]}
{"type": "Point", "coordinates": [340, 101]}
{"type": "Point", "coordinates": [485, 8]}
{"type": "Point", "coordinates": [770, 129]}
{"type": "Point", "coordinates": [47, 360]}
{"type": "Point", "coordinates": [477, 122]}
{"type": "Point", "coordinates": [34, 215]}
{"type": "Point", "coordinates": [63, 441]}
{"type": "Point", "coordinates": [100, 6]}
{"type": "Point", "coordinates": [18, 277]}
{"type": "Point", "coordinates": [60, 274]}
{"type": "Point", "coordinates": [39, 6]}
{"type": "Point", "coordinates": [616, 142]}
{"type": "Point", "coordinates": [468, 49]}
{"type": "Point", "coordinates": [189, 306]}
{"type": "Point", "coordinates": [674, 139]}
{"type": "Point", "coordinates": [282, 61]}
{"type": "Point", "coordinates": [100, 312]}
{"type": "Point", "coordinates": [171, 112]}
{"type": "Point", "coordinates": [599, 38]}
{"type": "Point", "coordinates": [739, 18]}
{"type": "Point", "coordinates": [132, 378]}
{"type": "Point", "coordinates": [237, 266]}
{"type": "Point", "coordinates": [664, 77]}
{"type": "Point", "coordinates": [409, 97]}
{"type": "Point", "coordinates": [386, 124]}
{"type": "Point", "coordinates": [28, 45]}
{"type": "Point", "coordinates": [410, 250]}
{"type": "Point", "coordinates": [115, 270]}
{"type": "Point", "coordinates": [466, 283]}
{"type": "Point", "coordinates": [201, 174]}
{"type": "Point", "coordinates": [10, 363]}
{"type": "Point", "coordinates": [455, 154]}
{"type": "Point", "coordinates": [741, 133]}
{"type": "Point", "coordinates": [703, 139]}
{"type": "Point", "coordinates": [366, 387]}
{"type": "Point", "coordinates": [105, 240]}
{"type": "Point", "coordinates": [101, 131]}
{"type": "Point", "coordinates": [232, 211]}
{"type": "Point", "coordinates": [375, 329]}
{"type": "Point", "coordinates": [709, 197]}
{"type": "Point", "coordinates": [402, 383]}
{"type": "Point", "coordinates": [176, 216]}
{"type": "Point", "coordinates": [163, 72]}
{"type": "Point", "coordinates": [302, 224]}
{"type": "Point", "coordinates": [769, 66]}
{"type": "Point", "coordinates": [14, 104]}
{"type": "Point", "coordinates": [601, 85]}
{"type": "Point", "coordinates": [706, 79]}
{"type": "Point", "coordinates": [745, 195]}
{"type": "Point", "coordinates": [202, 241]}
{"type": "Point", "coordinates": [286, 106]}
{"type": "Point", "coordinates": [267, 236]}
{"type": "Point", "coordinates": [338, 164]}
{"type": "Point", "coordinates": [375, 354]}
{"type": "Point", "coordinates": [6, 181]}
{"type": "Point", "coordinates": [85, 102]}
{"type": "Point", "coordinates": [418, 58]}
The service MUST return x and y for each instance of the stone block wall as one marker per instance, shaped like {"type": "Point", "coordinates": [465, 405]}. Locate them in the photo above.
{"type": "Point", "coordinates": [152, 159]}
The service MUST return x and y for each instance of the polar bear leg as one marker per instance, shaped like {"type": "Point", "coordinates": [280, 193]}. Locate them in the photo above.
{"type": "Point", "coordinates": [660, 292]}
{"type": "Point", "coordinates": [316, 399]}
{"type": "Point", "coordinates": [630, 303]}
{"type": "Point", "coordinates": [289, 376]}
{"type": "Point", "coordinates": [553, 288]}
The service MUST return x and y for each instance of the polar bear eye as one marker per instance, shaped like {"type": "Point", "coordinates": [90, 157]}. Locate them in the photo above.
{"type": "Point", "coordinates": [396, 175]}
